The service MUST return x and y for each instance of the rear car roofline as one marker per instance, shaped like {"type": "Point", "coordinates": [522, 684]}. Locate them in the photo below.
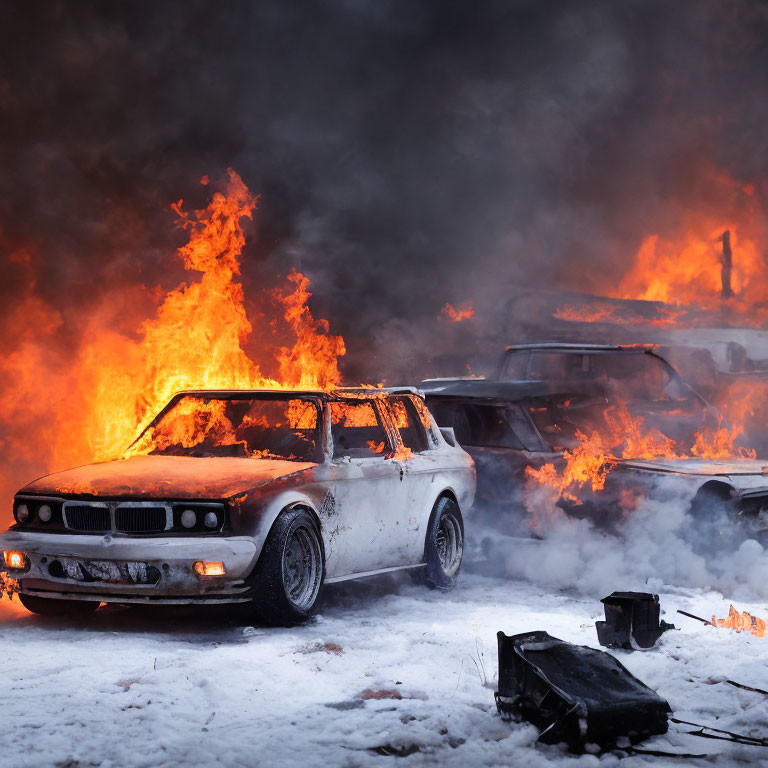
{"type": "Point", "coordinates": [574, 347]}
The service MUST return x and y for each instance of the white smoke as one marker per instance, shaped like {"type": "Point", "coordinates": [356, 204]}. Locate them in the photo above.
{"type": "Point", "coordinates": [659, 546]}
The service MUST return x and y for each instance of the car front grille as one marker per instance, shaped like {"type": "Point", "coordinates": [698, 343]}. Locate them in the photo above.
{"type": "Point", "coordinates": [140, 519]}
{"type": "Point", "coordinates": [122, 517]}
{"type": "Point", "coordinates": [134, 517]}
{"type": "Point", "coordinates": [88, 517]}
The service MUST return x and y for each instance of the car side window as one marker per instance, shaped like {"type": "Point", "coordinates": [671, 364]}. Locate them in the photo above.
{"type": "Point", "coordinates": [357, 431]}
{"type": "Point", "coordinates": [516, 364]}
{"type": "Point", "coordinates": [408, 424]}
{"type": "Point", "coordinates": [424, 417]}
{"type": "Point", "coordinates": [479, 425]}
{"type": "Point", "coordinates": [524, 429]}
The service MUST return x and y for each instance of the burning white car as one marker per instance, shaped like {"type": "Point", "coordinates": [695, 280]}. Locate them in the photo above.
{"type": "Point", "coordinates": [248, 497]}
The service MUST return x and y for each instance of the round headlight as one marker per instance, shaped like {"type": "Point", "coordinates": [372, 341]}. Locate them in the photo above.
{"type": "Point", "coordinates": [44, 513]}
{"type": "Point", "coordinates": [210, 520]}
{"type": "Point", "coordinates": [189, 518]}
{"type": "Point", "coordinates": [22, 513]}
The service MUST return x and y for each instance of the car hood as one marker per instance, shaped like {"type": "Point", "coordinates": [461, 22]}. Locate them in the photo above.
{"type": "Point", "coordinates": [167, 477]}
{"type": "Point", "coordinates": [731, 466]}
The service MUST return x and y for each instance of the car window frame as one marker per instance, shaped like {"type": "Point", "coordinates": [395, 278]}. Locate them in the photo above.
{"type": "Point", "coordinates": [414, 416]}
{"type": "Point", "coordinates": [389, 445]}
{"type": "Point", "coordinates": [244, 395]}
{"type": "Point", "coordinates": [524, 416]}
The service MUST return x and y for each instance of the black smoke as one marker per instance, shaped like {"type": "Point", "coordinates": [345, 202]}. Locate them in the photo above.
{"type": "Point", "coordinates": [408, 153]}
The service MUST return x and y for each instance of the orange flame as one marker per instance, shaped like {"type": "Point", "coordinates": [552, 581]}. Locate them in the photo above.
{"type": "Point", "coordinates": [691, 267]}
{"type": "Point", "coordinates": [687, 270]}
{"type": "Point", "coordinates": [589, 462]}
{"type": "Point", "coordinates": [196, 339]}
{"type": "Point", "coordinates": [313, 360]}
{"type": "Point", "coordinates": [626, 437]}
{"type": "Point", "coordinates": [741, 622]}
{"type": "Point", "coordinates": [90, 406]}
{"type": "Point", "coordinates": [457, 315]}
{"type": "Point", "coordinates": [603, 312]}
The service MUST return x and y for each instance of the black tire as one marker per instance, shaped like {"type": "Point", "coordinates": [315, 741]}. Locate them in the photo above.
{"type": "Point", "coordinates": [288, 578]}
{"type": "Point", "coordinates": [443, 547]}
{"type": "Point", "coordinates": [46, 606]}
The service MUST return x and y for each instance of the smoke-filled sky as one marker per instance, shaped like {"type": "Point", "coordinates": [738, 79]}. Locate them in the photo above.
{"type": "Point", "coordinates": [407, 153]}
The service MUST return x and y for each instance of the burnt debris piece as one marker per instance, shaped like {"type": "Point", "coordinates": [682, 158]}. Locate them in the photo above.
{"type": "Point", "coordinates": [574, 694]}
{"type": "Point", "coordinates": [631, 621]}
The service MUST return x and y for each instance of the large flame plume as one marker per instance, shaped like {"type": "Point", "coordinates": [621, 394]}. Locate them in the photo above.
{"type": "Point", "coordinates": [63, 411]}
{"type": "Point", "coordinates": [706, 265]}
{"type": "Point", "coordinates": [708, 269]}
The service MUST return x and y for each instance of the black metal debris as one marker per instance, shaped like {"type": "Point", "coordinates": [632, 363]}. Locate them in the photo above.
{"type": "Point", "coordinates": [574, 694]}
{"type": "Point", "coordinates": [631, 621]}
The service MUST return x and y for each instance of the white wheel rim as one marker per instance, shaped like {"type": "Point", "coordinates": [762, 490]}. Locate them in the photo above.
{"type": "Point", "coordinates": [449, 544]}
{"type": "Point", "coordinates": [302, 567]}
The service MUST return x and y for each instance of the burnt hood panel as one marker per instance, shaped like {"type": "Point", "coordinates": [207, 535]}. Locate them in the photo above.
{"type": "Point", "coordinates": [158, 477]}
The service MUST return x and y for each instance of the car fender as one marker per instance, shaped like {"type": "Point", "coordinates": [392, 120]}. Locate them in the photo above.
{"type": "Point", "coordinates": [269, 510]}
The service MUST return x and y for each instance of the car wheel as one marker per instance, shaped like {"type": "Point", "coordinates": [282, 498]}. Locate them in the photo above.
{"type": "Point", "coordinates": [46, 606]}
{"type": "Point", "coordinates": [290, 572]}
{"type": "Point", "coordinates": [443, 548]}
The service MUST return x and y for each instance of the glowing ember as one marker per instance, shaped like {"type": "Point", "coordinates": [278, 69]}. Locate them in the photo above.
{"type": "Point", "coordinates": [741, 622]}
{"type": "Point", "coordinates": [402, 453]}
{"type": "Point", "coordinates": [457, 315]}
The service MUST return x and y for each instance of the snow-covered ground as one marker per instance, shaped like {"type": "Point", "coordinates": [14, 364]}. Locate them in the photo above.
{"type": "Point", "coordinates": [129, 688]}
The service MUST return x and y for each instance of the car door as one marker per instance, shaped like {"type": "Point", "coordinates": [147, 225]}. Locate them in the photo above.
{"type": "Point", "coordinates": [368, 490]}
{"type": "Point", "coordinates": [419, 466]}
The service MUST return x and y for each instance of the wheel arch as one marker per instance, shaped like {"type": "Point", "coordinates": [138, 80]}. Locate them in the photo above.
{"type": "Point", "coordinates": [709, 494]}
{"type": "Point", "coordinates": [265, 531]}
{"type": "Point", "coordinates": [446, 493]}
{"type": "Point", "coordinates": [717, 488]}
{"type": "Point", "coordinates": [310, 510]}
{"type": "Point", "coordinates": [271, 514]}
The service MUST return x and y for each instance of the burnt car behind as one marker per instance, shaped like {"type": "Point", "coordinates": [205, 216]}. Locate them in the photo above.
{"type": "Point", "coordinates": [248, 497]}
{"type": "Point", "coordinates": [543, 394]}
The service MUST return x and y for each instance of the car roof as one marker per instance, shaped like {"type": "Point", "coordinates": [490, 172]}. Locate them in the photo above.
{"type": "Point", "coordinates": [558, 346]}
{"type": "Point", "coordinates": [510, 391]}
{"type": "Point", "coordinates": [335, 394]}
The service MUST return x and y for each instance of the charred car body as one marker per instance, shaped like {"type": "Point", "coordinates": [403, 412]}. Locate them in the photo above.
{"type": "Point", "coordinates": [543, 394]}
{"type": "Point", "coordinates": [248, 497]}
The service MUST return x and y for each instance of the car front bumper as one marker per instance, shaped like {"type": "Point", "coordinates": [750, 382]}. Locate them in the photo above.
{"type": "Point", "coordinates": [171, 558]}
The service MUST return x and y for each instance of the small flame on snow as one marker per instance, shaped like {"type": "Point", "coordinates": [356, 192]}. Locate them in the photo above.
{"type": "Point", "coordinates": [741, 621]}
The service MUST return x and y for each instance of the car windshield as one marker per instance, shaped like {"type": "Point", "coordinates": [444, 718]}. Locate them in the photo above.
{"type": "Point", "coordinates": [644, 374]}
{"type": "Point", "coordinates": [641, 381]}
{"type": "Point", "coordinates": [271, 427]}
